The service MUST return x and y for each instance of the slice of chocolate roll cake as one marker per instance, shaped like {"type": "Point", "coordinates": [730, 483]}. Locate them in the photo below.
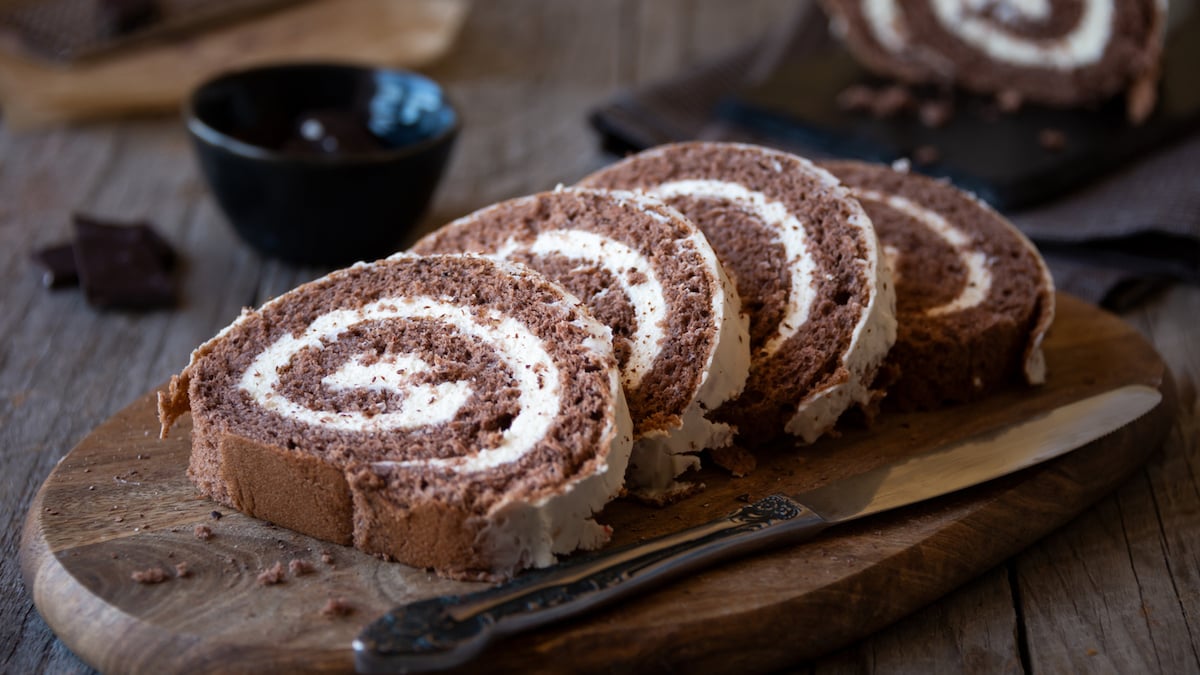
{"type": "Point", "coordinates": [645, 271]}
{"type": "Point", "coordinates": [1057, 52]}
{"type": "Point", "coordinates": [806, 263]}
{"type": "Point", "coordinates": [973, 297]}
{"type": "Point", "coordinates": [449, 412]}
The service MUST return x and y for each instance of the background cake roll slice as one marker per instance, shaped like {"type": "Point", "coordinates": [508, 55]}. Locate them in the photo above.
{"type": "Point", "coordinates": [806, 263]}
{"type": "Point", "coordinates": [973, 297]}
{"type": "Point", "coordinates": [650, 275]}
{"type": "Point", "coordinates": [449, 412]}
{"type": "Point", "coordinates": [1058, 52]}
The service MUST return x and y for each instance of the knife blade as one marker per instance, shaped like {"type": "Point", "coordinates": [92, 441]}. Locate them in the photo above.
{"type": "Point", "coordinates": [445, 632]}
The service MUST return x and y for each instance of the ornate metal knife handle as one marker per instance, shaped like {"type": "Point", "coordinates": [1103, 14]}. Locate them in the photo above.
{"type": "Point", "coordinates": [444, 632]}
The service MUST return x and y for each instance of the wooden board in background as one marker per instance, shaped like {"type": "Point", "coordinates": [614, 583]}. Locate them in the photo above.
{"type": "Point", "coordinates": [120, 502]}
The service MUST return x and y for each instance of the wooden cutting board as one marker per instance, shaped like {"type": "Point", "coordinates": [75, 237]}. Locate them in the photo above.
{"type": "Point", "coordinates": [120, 502]}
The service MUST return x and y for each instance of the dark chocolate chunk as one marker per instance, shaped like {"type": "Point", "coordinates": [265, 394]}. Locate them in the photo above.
{"type": "Point", "coordinates": [57, 265]}
{"type": "Point", "coordinates": [123, 266]}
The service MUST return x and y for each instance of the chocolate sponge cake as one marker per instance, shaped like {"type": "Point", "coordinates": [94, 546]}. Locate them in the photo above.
{"type": "Point", "coordinates": [1056, 52]}
{"type": "Point", "coordinates": [806, 262]}
{"type": "Point", "coordinates": [973, 297]}
{"type": "Point", "coordinates": [449, 412]}
{"type": "Point", "coordinates": [648, 273]}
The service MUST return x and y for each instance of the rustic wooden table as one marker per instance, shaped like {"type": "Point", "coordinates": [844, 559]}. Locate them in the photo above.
{"type": "Point", "coordinates": [1117, 590]}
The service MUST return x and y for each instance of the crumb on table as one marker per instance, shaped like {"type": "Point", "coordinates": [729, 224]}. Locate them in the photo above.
{"type": "Point", "coordinates": [272, 575]}
{"type": "Point", "coordinates": [203, 532]}
{"type": "Point", "coordinates": [151, 575]}
{"type": "Point", "coordinates": [337, 607]}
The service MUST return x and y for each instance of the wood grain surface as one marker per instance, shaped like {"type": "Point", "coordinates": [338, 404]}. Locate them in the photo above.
{"type": "Point", "coordinates": [1114, 590]}
{"type": "Point", "coordinates": [119, 504]}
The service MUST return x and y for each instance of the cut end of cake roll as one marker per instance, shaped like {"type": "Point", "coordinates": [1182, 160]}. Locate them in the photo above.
{"type": "Point", "coordinates": [805, 260]}
{"type": "Point", "coordinates": [1055, 52]}
{"type": "Point", "coordinates": [449, 412]}
{"type": "Point", "coordinates": [649, 274]}
{"type": "Point", "coordinates": [974, 297]}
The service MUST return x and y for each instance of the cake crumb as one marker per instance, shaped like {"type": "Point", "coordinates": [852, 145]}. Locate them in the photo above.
{"type": "Point", "coordinates": [203, 532]}
{"type": "Point", "coordinates": [182, 570]}
{"type": "Point", "coordinates": [298, 567]}
{"type": "Point", "coordinates": [734, 459]}
{"type": "Point", "coordinates": [926, 154]}
{"type": "Point", "coordinates": [891, 101]}
{"type": "Point", "coordinates": [935, 114]}
{"type": "Point", "coordinates": [215, 515]}
{"type": "Point", "coordinates": [327, 557]}
{"type": "Point", "coordinates": [1009, 101]}
{"type": "Point", "coordinates": [272, 575]}
{"type": "Point", "coordinates": [152, 575]}
{"type": "Point", "coordinates": [1052, 139]}
{"type": "Point", "coordinates": [337, 607]}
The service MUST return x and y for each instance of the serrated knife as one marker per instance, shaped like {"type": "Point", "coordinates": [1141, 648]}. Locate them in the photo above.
{"type": "Point", "coordinates": [447, 631]}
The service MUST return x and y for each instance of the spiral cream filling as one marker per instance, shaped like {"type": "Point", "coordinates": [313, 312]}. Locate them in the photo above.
{"type": "Point", "coordinates": [979, 276]}
{"type": "Point", "coordinates": [645, 295]}
{"type": "Point", "coordinates": [1083, 45]}
{"type": "Point", "coordinates": [521, 351]}
{"type": "Point", "coordinates": [786, 230]}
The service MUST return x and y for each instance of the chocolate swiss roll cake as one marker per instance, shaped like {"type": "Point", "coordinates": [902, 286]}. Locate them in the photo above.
{"type": "Point", "coordinates": [645, 271]}
{"type": "Point", "coordinates": [806, 263]}
{"type": "Point", "coordinates": [1056, 52]}
{"type": "Point", "coordinates": [973, 297]}
{"type": "Point", "coordinates": [449, 412]}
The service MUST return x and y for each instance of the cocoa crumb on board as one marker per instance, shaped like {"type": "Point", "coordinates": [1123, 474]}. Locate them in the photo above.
{"type": "Point", "coordinates": [152, 575]}
{"type": "Point", "coordinates": [337, 607]}
{"type": "Point", "coordinates": [215, 515]}
{"type": "Point", "coordinates": [327, 557]}
{"type": "Point", "coordinates": [736, 460]}
{"type": "Point", "coordinates": [1009, 101]}
{"type": "Point", "coordinates": [936, 113]}
{"type": "Point", "coordinates": [1052, 139]}
{"type": "Point", "coordinates": [203, 532]}
{"type": "Point", "coordinates": [272, 575]}
{"type": "Point", "coordinates": [182, 570]}
{"type": "Point", "coordinates": [926, 154]}
{"type": "Point", "coordinates": [298, 567]}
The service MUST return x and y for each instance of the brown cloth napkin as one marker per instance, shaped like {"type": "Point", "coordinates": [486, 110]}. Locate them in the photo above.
{"type": "Point", "coordinates": [1111, 242]}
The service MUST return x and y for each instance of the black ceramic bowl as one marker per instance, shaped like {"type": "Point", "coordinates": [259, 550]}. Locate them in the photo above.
{"type": "Point", "coordinates": [322, 163]}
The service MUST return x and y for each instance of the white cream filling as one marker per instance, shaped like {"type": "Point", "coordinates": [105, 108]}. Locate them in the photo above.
{"type": "Point", "coordinates": [782, 224]}
{"type": "Point", "coordinates": [521, 351]}
{"type": "Point", "coordinates": [646, 296]}
{"type": "Point", "coordinates": [979, 275]}
{"type": "Point", "coordinates": [661, 455]}
{"type": "Point", "coordinates": [520, 534]}
{"type": "Point", "coordinates": [872, 338]}
{"type": "Point", "coordinates": [422, 405]}
{"type": "Point", "coordinates": [1083, 45]}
